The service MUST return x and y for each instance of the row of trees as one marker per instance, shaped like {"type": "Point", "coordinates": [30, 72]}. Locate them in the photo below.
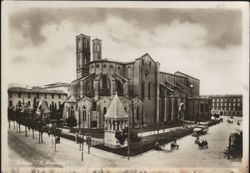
{"type": "Point", "coordinates": [31, 121]}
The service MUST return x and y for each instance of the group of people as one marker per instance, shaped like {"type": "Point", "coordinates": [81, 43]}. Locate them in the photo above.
{"type": "Point", "coordinates": [157, 146]}
{"type": "Point", "coordinates": [203, 142]}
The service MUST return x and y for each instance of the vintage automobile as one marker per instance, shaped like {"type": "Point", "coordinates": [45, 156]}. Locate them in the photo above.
{"type": "Point", "coordinates": [200, 130]}
{"type": "Point", "coordinates": [230, 121]}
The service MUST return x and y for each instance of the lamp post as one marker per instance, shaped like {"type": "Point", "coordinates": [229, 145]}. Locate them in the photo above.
{"type": "Point", "coordinates": [82, 142]}
{"type": "Point", "coordinates": [128, 137]}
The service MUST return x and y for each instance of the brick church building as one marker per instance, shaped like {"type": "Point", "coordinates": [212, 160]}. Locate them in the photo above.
{"type": "Point", "coordinates": [148, 95]}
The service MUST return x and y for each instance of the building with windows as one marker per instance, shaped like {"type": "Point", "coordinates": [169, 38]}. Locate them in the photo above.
{"type": "Point", "coordinates": [31, 97]}
{"type": "Point", "coordinates": [227, 105]}
{"type": "Point", "coordinates": [148, 95]}
{"type": "Point", "coordinates": [58, 86]}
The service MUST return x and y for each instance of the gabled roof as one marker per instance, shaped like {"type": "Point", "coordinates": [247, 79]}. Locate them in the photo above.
{"type": "Point", "coordinates": [116, 109]}
{"type": "Point", "coordinates": [146, 54]}
{"type": "Point", "coordinates": [92, 100]}
{"type": "Point", "coordinates": [71, 100]}
{"type": "Point", "coordinates": [136, 98]}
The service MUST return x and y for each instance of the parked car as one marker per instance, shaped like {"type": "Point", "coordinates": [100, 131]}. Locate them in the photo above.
{"type": "Point", "coordinates": [200, 130]}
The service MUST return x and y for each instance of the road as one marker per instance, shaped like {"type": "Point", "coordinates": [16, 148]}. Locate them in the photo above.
{"type": "Point", "coordinates": [26, 152]}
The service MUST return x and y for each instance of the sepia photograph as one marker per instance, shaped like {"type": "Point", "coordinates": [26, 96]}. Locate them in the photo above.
{"type": "Point", "coordinates": [124, 87]}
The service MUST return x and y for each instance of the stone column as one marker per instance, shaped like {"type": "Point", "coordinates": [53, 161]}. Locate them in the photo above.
{"type": "Point", "coordinates": [165, 109]}
{"type": "Point", "coordinates": [81, 89]}
{"type": "Point", "coordinates": [178, 102]}
{"type": "Point", "coordinates": [112, 88]}
{"type": "Point", "coordinates": [96, 88]}
{"type": "Point", "coordinates": [125, 89]}
{"type": "Point", "coordinates": [173, 108]}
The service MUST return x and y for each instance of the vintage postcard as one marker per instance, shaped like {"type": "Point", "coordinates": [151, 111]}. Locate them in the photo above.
{"type": "Point", "coordinates": [125, 87]}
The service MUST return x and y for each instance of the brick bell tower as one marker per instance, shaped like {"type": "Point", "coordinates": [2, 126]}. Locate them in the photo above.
{"type": "Point", "coordinates": [82, 55]}
{"type": "Point", "coordinates": [97, 49]}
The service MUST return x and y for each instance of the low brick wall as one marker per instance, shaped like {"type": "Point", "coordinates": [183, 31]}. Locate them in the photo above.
{"type": "Point", "coordinates": [148, 143]}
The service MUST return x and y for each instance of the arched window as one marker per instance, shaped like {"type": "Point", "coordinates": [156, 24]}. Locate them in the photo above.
{"type": "Point", "coordinates": [149, 88]}
{"type": "Point", "coordinates": [84, 114]}
{"type": "Point", "coordinates": [98, 47]}
{"type": "Point", "coordinates": [104, 82]}
{"type": "Point", "coordinates": [201, 107]}
{"type": "Point", "coordinates": [104, 112]}
{"type": "Point", "coordinates": [142, 90]}
{"type": "Point", "coordinates": [72, 111]}
{"type": "Point", "coordinates": [129, 72]}
{"type": "Point", "coordinates": [79, 117]}
{"type": "Point", "coordinates": [85, 43]}
{"type": "Point", "coordinates": [119, 88]}
{"type": "Point", "coordinates": [137, 114]}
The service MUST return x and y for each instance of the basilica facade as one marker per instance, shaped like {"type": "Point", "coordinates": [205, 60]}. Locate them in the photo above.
{"type": "Point", "coordinates": [147, 94]}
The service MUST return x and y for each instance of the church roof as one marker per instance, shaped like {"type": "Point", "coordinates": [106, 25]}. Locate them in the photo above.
{"type": "Point", "coordinates": [116, 109]}
{"type": "Point", "coordinates": [71, 100]}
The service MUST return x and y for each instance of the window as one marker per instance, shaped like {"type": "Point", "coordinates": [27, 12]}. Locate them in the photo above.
{"type": "Point", "coordinates": [10, 103]}
{"type": "Point", "coordinates": [202, 107]}
{"type": "Point", "coordinates": [142, 61]}
{"type": "Point", "coordinates": [149, 88]}
{"type": "Point", "coordinates": [150, 64]}
{"type": "Point", "coordinates": [59, 96]}
{"type": "Point", "coordinates": [137, 113]}
{"type": "Point", "coordinates": [118, 67]}
{"type": "Point", "coordinates": [142, 90]}
{"type": "Point", "coordinates": [28, 95]}
{"type": "Point", "coordinates": [19, 95]}
{"type": "Point", "coordinates": [28, 103]}
{"type": "Point", "coordinates": [92, 66]}
{"type": "Point", "coordinates": [104, 112]}
{"type": "Point", "coordinates": [19, 103]}
{"type": "Point", "coordinates": [104, 65]}
{"type": "Point", "coordinates": [45, 95]}
{"type": "Point", "coordinates": [85, 43]}
{"type": "Point", "coordinates": [129, 72]}
{"type": "Point", "coordinates": [97, 65]}
{"type": "Point", "coordinates": [52, 95]}
{"type": "Point", "coordinates": [111, 66]}
{"type": "Point", "coordinates": [37, 95]}
{"type": "Point", "coordinates": [84, 114]}
{"type": "Point", "coordinates": [206, 108]}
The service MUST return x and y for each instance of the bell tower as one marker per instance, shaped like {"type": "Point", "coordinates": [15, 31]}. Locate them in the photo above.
{"type": "Point", "coordinates": [97, 49]}
{"type": "Point", "coordinates": [82, 55]}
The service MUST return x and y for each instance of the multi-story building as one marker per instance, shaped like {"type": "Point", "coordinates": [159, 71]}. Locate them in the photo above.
{"type": "Point", "coordinates": [58, 86]}
{"type": "Point", "coordinates": [147, 94]}
{"type": "Point", "coordinates": [227, 105]}
{"type": "Point", "coordinates": [18, 96]}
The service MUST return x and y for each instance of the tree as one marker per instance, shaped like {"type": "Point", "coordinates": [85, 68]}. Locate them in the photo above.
{"type": "Point", "coordinates": [121, 136]}
{"type": "Point", "coordinates": [236, 144]}
{"type": "Point", "coordinates": [71, 121]}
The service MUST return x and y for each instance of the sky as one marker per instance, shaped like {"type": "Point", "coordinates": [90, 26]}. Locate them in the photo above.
{"type": "Point", "coordinates": [204, 43]}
